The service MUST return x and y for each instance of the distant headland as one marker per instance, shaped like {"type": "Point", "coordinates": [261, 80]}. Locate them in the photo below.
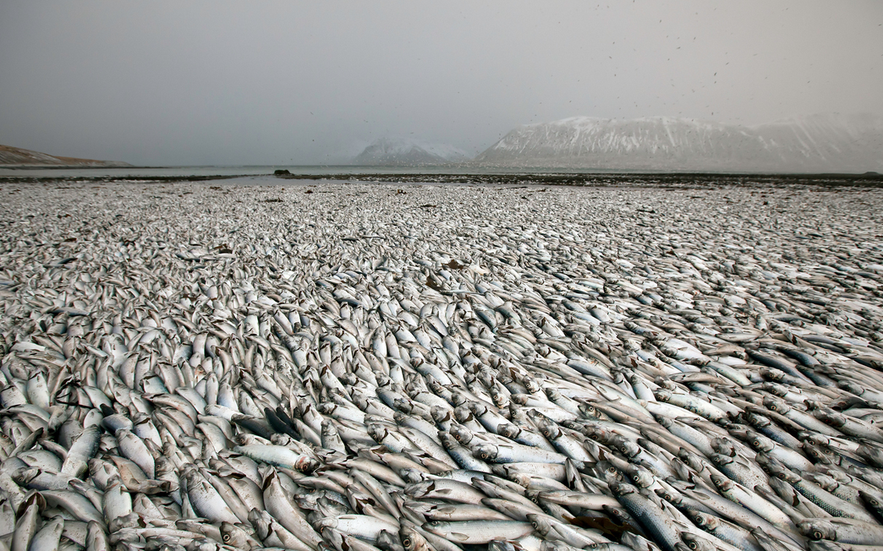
{"type": "Point", "coordinates": [14, 156]}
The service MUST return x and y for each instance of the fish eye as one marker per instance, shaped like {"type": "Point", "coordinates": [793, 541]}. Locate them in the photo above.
{"type": "Point", "coordinates": [406, 542]}
{"type": "Point", "coordinates": [817, 535]}
{"type": "Point", "coordinates": [755, 443]}
{"type": "Point", "coordinates": [226, 538]}
{"type": "Point", "coordinates": [636, 478]}
{"type": "Point", "coordinates": [693, 545]}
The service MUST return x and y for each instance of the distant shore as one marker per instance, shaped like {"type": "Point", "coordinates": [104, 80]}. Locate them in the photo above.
{"type": "Point", "coordinates": [528, 177]}
{"type": "Point", "coordinates": [16, 157]}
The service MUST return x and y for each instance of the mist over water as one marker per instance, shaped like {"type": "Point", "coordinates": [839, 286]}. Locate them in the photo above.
{"type": "Point", "coordinates": [288, 84]}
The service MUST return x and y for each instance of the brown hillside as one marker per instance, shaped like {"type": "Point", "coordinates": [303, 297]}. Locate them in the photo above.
{"type": "Point", "coordinates": [17, 156]}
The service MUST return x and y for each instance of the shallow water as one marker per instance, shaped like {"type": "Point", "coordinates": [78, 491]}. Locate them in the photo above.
{"type": "Point", "coordinates": [248, 170]}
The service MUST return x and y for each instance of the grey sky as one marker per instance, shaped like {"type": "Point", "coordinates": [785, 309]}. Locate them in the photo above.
{"type": "Point", "coordinates": [305, 83]}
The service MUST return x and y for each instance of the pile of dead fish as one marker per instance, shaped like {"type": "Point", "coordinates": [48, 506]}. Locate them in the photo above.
{"type": "Point", "coordinates": [439, 368]}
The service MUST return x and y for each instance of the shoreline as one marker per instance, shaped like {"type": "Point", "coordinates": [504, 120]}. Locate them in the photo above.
{"type": "Point", "coordinates": [597, 179]}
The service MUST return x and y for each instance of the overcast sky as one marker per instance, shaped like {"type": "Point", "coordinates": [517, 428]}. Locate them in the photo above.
{"type": "Point", "coordinates": [171, 83]}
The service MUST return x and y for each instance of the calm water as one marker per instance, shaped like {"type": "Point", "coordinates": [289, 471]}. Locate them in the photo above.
{"type": "Point", "coordinates": [477, 175]}
{"type": "Point", "coordinates": [143, 172]}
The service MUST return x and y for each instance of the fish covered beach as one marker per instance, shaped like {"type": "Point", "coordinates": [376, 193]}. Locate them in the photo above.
{"type": "Point", "coordinates": [429, 365]}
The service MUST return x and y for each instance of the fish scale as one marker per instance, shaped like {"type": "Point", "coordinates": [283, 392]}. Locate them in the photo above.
{"type": "Point", "coordinates": [401, 380]}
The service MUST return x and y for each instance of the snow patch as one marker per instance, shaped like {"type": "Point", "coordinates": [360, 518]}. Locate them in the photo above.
{"type": "Point", "coordinates": [408, 152]}
{"type": "Point", "coordinates": [818, 143]}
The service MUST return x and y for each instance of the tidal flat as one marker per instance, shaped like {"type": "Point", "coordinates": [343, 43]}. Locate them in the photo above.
{"type": "Point", "coordinates": [309, 364]}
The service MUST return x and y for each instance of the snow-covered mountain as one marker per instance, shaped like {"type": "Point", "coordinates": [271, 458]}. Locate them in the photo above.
{"type": "Point", "coordinates": [819, 143]}
{"type": "Point", "coordinates": [403, 152]}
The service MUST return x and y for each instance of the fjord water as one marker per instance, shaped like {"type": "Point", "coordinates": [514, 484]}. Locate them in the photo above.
{"type": "Point", "coordinates": [262, 170]}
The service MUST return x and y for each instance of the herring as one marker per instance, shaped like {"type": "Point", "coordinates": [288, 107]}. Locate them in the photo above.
{"type": "Point", "coordinates": [270, 388]}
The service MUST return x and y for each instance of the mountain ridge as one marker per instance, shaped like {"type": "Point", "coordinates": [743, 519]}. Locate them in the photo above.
{"type": "Point", "coordinates": [819, 143]}
{"type": "Point", "coordinates": [405, 152]}
{"type": "Point", "coordinates": [16, 156]}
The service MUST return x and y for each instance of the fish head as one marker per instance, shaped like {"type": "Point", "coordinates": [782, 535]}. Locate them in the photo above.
{"type": "Point", "coordinates": [552, 393]}
{"type": "Point", "coordinates": [873, 501]}
{"type": "Point", "coordinates": [607, 470]}
{"type": "Point", "coordinates": [328, 428]}
{"type": "Point", "coordinates": [816, 453]}
{"type": "Point", "coordinates": [461, 434]}
{"type": "Point", "coordinates": [411, 475]}
{"type": "Point", "coordinates": [477, 409]}
{"type": "Point", "coordinates": [520, 399]}
{"type": "Point", "coordinates": [485, 452]}
{"type": "Point", "coordinates": [507, 430]}
{"type": "Point", "coordinates": [670, 497]}
{"type": "Point", "coordinates": [306, 501]}
{"type": "Point", "coordinates": [642, 477]}
{"type": "Point", "coordinates": [774, 403]}
{"type": "Point", "coordinates": [627, 447]}
{"type": "Point", "coordinates": [701, 519]}
{"type": "Point", "coordinates": [402, 405]}
{"type": "Point", "coordinates": [662, 394]}
{"type": "Point", "coordinates": [462, 414]}
{"type": "Point", "coordinates": [814, 438]}
{"type": "Point", "coordinates": [592, 412]}
{"type": "Point", "coordinates": [458, 399]}
{"type": "Point", "coordinates": [722, 483]}
{"type": "Point", "coordinates": [411, 539]}
{"type": "Point", "coordinates": [694, 542]}
{"type": "Point", "coordinates": [540, 524]}
{"type": "Point", "coordinates": [132, 520]}
{"type": "Point", "coordinates": [720, 459]}
{"type": "Point", "coordinates": [620, 489]}
{"type": "Point", "coordinates": [547, 428]}
{"type": "Point", "coordinates": [440, 414]}
{"type": "Point", "coordinates": [817, 529]}
{"type": "Point", "coordinates": [419, 489]}
{"type": "Point", "coordinates": [684, 472]}
{"type": "Point", "coordinates": [723, 446]}
{"type": "Point", "coordinates": [333, 536]}
{"type": "Point", "coordinates": [500, 399]}
{"type": "Point", "coordinates": [258, 519]}
{"type": "Point", "coordinates": [234, 536]}
{"type": "Point", "coordinates": [758, 442]}
{"type": "Point", "coordinates": [23, 477]}
{"type": "Point", "coordinates": [385, 540]}
{"type": "Point", "coordinates": [377, 431]}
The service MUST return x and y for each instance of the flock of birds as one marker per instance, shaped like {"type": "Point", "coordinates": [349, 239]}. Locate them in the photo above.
{"type": "Point", "coordinates": [206, 368]}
